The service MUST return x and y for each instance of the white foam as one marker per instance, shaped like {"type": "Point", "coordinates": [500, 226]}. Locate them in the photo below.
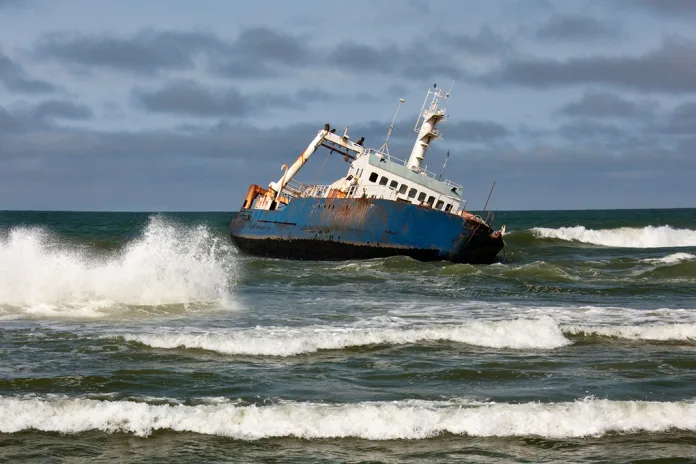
{"type": "Point", "coordinates": [624, 237]}
{"type": "Point", "coordinates": [541, 333]}
{"type": "Point", "coordinates": [671, 259]}
{"type": "Point", "coordinates": [664, 332]}
{"type": "Point", "coordinates": [373, 421]}
{"type": "Point", "coordinates": [168, 264]}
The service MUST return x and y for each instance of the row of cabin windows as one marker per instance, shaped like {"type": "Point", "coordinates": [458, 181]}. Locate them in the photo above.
{"type": "Point", "coordinates": [411, 193]}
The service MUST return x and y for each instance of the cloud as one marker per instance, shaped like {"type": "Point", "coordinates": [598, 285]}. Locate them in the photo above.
{"type": "Point", "coordinates": [475, 131]}
{"type": "Point", "coordinates": [41, 116]}
{"type": "Point", "coordinates": [414, 61]}
{"type": "Point", "coordinates": [188, 97]}
{"type": "Point", "coordinates": [669, 69]}
{"type": "Point", "coordinates": [147, 52]}
{"type": "Point", "coordinates": [61, 109]}
{"type": "Point", "coordinates": [601, 104]}
{"type": "Point", "coordinates": [484, 43]}
{"type": "Point", "coordinates": [14, 78]}
{"type": "Point", "coordinates": [667, 7]}
{"type": "Point", "coordinates": [577, 28]}
{"type": "Point", "coordinates": [682, 120]}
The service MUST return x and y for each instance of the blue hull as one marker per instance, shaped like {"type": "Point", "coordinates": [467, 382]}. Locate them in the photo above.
{"type": "Point", "coordinates": [361, 228]}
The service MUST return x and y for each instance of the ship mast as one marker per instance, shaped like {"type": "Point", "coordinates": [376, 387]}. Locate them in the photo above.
{"type": "Point", "coordinates": [428, 118]}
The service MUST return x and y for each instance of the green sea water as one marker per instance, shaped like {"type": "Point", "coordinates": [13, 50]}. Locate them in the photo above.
{"type": "Point", "coordinates": [146, 337]}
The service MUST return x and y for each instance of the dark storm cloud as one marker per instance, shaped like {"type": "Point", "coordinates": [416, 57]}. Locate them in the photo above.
{"type": "Point", "coordinates": [669, 69]}
{"type": "Point", "coordinates": [14, 78]}
{"type": "Point", "coordinates": [147, 52]}
{"type": "Point", "coordinates": [598, 104]}
{"type": "Point", "coordinates": [577, 28]}
{"type": "Point", "coordinates": [188, 97]}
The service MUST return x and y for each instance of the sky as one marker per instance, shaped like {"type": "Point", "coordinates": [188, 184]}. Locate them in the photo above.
{"type": "Point", "coordinates": [179, 106]}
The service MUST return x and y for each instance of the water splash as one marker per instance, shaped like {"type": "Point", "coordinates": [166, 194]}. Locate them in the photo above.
{"type": "Point", "coordinates": [169, 264]}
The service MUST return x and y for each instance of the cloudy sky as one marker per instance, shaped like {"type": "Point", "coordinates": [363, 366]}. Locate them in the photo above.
{"type": "Point", "coordinates": [180, 105]}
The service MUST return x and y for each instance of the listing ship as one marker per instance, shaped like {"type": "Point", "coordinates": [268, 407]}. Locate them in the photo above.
{"type": "Point", "coordinates": [383, 207]}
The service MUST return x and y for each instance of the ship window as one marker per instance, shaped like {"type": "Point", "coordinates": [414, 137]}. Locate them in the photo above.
{"type": "Point", "coordinates": [373, 177]}
{"type": "Point", "coordinates": [393, 184]}
{"type": "Point", "coordinates": [431, 200]}
{"type": "Point", "coordinates": [421, 197]}
{"type": "Point", "coordinates": [403, 188]}
{"type": "Point", "coordinates": [439, 204]}
{"type": "Point", "coordinates": [383, 181]}
{"type": "Point", "coordinates": [412, 193]}
{"type": "Point", "coordinates": [448, 208]}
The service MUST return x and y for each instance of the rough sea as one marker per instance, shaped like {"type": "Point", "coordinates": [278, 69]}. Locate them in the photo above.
{"type": "Point", "coordinates": [135, 337]}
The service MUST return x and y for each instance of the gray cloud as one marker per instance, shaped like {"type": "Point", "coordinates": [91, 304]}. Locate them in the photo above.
{"type": "Point", "coordinates": [668, 7]}
{"type": "Point", "coordinates": [577, 28]}
{"type": "Point", "coordinates": [188, 97]}
{"type": "Point", "coordinates": [14, 78]}
{"type": "Point", "coordinates": [669, 69]}
{"type": "Point", "coordinates": [393, 60]}
{"type": "Point", "coordinates": [599, 104]}
{"type": "Point", "coordinates": [147, 52]}
{"type": "Point", "coordinates": [683, 119]}
{"type": "Point", "coordinates": [484, 43]}
{"type": "Point", "coordinates": [255, 53]}
{"type": "Point", "coordinates": [61, 109]}
{"type": "Point", "coordinates": [40, 117]}
{"type": "Point", "coordinates": [475, 131]}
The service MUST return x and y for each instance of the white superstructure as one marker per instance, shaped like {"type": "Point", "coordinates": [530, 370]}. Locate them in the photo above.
{"type": "Point", "coordinates": [375, 173]}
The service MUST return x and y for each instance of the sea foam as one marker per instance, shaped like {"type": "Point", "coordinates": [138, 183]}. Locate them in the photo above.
{"type": "Point", "coordinates": [658, 332]}
{"type": "Point", "coordinates": [370, 420]}
{"type": "Point", "coordinates": [541, 333]}
{"type": "Point", "coordinates": [167, 264]}
{"type": "Point", "coordinates": [624, 237]}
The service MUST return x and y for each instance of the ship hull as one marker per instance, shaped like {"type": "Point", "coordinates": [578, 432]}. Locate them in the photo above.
{"type": "Point", "coordinates": [321, 229]}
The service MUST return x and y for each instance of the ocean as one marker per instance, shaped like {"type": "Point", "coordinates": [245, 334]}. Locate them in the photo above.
{"type": "Point", "coordinates": [145, 337]}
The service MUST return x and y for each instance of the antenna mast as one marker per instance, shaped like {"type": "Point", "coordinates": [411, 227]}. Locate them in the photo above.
{"type": "Point", "coordinates": [385, 147]}
{"type": "Point", "coordinates": [443, 165]}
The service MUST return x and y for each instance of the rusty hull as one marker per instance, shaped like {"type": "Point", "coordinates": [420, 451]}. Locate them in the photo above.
{"type": "Point", "coordinates": [360, 228]}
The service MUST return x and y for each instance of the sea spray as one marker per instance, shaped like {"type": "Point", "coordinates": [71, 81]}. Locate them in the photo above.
{"type": "Point", "coordinates": [168, 264]}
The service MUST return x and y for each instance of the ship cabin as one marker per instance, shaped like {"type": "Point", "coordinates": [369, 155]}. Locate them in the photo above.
{"type": "Point", "coordinates": [376, 174]}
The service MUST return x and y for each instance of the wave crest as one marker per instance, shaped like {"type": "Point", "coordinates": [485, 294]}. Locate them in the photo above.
{"type": "Point", "coordinates": [371, 420]}
{"type": "Point", "coordinates": [624, 237]}
{"type": "Point", "coordinates": [542, 333]}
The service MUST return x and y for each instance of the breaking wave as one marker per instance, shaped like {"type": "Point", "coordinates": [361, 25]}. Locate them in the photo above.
{"type": "Point", "coordinates": [667, 332]}
{"type": "Point", "coordinates": [542, 333]}
{"type": "Point", "coordinates": [370, 420]}
{"type": "Point", "coordinates": [168, 264]}
{"type": "Point", "coordinates": [671, 259]}
{"type": "Point", "coordinates": [624, 237]}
